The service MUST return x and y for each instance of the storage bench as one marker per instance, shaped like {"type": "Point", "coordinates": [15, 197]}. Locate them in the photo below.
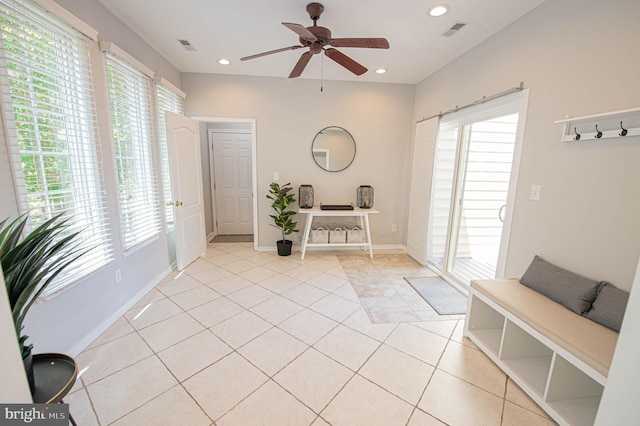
{"type": "Point", "coordinates": [559, 358]}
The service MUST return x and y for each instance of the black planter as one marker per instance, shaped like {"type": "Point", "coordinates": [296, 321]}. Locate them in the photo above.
{"type": "Point", "coordinates": [284, 247]}
{"type": "Point", "coordinates": [28, 368]}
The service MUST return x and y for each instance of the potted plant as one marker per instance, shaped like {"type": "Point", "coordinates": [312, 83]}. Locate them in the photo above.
{"type": "Point", "coordinates": [281, 200]}
{"type": "Point", "coordinates": [30, 264]}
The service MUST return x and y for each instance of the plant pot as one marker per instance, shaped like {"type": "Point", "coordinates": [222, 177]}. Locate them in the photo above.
{"type": "Point", "coordinates": [28, 368]}
{"type": "Point", "coordinates": [284, 247]}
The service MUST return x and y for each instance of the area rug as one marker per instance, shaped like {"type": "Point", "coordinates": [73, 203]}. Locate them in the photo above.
{"type": "Point", "coordinates": [438, 293]}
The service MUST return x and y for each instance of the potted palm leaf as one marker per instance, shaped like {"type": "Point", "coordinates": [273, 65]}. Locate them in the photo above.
{"type": "Point", "coordinates": [281, 200]}
{"type": "Point", "coordinates": [30, 263]}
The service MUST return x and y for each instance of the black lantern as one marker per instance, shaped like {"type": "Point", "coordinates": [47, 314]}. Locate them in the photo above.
{"type": "Point", "coordinates": [305, 196]}
{"type": "Point", "coordinates": [365, 196]}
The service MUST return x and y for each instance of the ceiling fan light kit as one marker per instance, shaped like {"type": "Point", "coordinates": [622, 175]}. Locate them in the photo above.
{"type": "Point", "coordinates": [318, 39]}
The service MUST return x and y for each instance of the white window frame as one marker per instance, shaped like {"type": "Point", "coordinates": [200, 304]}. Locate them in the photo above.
{"type": "Point", "coordinates": [70, 109]}
{"type": "Point", "coordinates": [138, 198]}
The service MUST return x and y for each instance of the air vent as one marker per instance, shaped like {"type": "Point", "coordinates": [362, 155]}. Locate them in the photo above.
{"type": "Point", "coordinates": [187, 45]}
{"type": "Point", "coordinates": [454, 29]}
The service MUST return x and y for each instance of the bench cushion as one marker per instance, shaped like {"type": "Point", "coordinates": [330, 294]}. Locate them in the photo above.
{"type": "Point", "coordinates": [588, 341]}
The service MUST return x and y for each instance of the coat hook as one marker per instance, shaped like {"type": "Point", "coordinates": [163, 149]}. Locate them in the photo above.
{"type": "Point", "coordinates": [599, 134]}
{"type": "Point", "coordinates": [624, 131]}
{"type": "Point", "coordinates": [577, 137]}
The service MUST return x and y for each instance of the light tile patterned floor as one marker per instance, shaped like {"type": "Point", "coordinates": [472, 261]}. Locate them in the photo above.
{"type": "Point", "coordinates": [247, 338]}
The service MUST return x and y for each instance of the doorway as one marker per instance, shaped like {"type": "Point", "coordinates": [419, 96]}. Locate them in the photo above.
{"type": "Point", "coordinates": [473, 187]}
{"type": "Point", "coordinates": [231, 193]}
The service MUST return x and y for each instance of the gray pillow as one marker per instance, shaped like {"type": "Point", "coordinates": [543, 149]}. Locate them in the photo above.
{"type": "Point", "coordinates": [608, 308]}
{"type": "Point", "coordinates": [573, 291]}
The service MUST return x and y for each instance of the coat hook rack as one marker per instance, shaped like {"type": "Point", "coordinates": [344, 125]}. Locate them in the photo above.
{"type": "Point", "coordinates": [607, 125]}
{"type": "Point", "coordinates": [624, 131]}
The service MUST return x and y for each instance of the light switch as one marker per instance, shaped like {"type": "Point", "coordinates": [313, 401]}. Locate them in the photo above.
{"type": "Point", "coordinates": [535, 192]}
{"type": "Point", "coordinates": [276, 176]}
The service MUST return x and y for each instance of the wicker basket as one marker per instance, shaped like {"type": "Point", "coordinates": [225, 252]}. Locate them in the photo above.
{"type": "Point", "coordinates": [355, 235]}
{"type": "Point", "coordinates": [338, 236]}
{"type": "Point", "coordinates": [319, 236]}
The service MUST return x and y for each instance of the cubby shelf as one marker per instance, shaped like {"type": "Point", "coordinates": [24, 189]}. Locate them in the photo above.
{"type": "Point", "coordinates": [610, 124]}
{"type": "Point", "coordinates": [569, 394]}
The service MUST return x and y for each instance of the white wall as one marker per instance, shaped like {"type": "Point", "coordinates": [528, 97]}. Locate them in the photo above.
{"type": "Point", "coordinates": [577, 57]}
{"type": "Point", "coordinates": [14, 388]}
{"type": "Point", "coordinates": [110, 28]}
{"type": "Point", "coordinates": [289, 113]}
{"type": "Point", "coordinates": [619, 404]}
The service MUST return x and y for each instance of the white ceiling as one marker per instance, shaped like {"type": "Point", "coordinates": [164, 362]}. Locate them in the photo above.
{"type": "Point", "coordinates": [236, 28]}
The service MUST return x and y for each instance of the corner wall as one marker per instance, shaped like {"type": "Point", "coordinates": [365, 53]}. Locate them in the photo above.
{"type": "Point", "coordinates": [577, 57]}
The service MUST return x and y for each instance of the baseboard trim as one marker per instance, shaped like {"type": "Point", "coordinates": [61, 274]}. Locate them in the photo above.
{"type": "Point", "coordinates": [297, 248]}
{"type": "Point", "coordinates": [92, 335]}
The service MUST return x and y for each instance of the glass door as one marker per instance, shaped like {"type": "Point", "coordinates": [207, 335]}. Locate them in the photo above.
{"type": "Point", "coordinates": [471, 192]}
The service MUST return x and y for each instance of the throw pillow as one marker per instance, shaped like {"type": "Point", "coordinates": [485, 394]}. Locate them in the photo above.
{"type": "Point", "coordinates": [573, 291]}
{"type": "Point", "coordinates": [608, 308]}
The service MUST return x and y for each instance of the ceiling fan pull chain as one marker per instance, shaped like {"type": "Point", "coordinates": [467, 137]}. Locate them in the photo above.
{"type": "Point", "coordinates": [321, 73]}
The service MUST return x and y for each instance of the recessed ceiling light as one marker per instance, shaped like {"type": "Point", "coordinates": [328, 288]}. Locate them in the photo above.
{"type": "Point", "coordinates": [381, 71]}
{"type": "Point", "coordinates": [224, 61]}
{"type": "Point", "coordinates": [439, 10]}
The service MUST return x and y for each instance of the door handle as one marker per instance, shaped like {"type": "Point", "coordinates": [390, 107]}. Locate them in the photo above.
{"type": "Point", "coordinates": [501, 213]}
{"type": "Point", "coordinates": [178, 203]}
{"type": "Point", "coordinates": [170, 203]}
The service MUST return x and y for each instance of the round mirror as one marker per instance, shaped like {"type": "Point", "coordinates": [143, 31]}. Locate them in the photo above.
{"type": "Point", "coordinates": [333, 149]}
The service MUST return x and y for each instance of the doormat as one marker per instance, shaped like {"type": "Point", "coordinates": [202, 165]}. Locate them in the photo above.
{"type": "Point", "coordinates": [438, 293]}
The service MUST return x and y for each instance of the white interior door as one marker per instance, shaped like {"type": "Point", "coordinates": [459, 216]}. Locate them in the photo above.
{"type": "Point", "coordinates": [183, 138]}
{"type": "Point", "coordinates": [233, 182]}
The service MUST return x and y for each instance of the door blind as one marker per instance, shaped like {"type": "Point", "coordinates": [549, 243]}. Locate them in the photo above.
{"type": "Point", "coordinates": [167, 100]}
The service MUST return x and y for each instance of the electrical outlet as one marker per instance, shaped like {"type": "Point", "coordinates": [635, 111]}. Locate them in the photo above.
{"type": "Point", "coordinates": [394, 228]}
{"type": "Point", "coordinates": [118, 276]}
{"type": "Point", "coordinates": [276, 176]}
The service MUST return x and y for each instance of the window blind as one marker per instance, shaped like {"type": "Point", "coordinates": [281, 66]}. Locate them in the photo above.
{"type": "Point", "coordinates": [132, 128]}
{"type": "Point", "coordinates": [167, 100]}
{"type": "Point", "coordinates": [50, 119]}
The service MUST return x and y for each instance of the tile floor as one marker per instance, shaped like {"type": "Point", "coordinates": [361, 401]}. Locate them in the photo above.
{"type": "Point", "coordinates": [248, 338]}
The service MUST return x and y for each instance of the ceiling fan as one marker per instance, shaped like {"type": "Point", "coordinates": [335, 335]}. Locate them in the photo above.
{"type": "Point", "coordinates": [318, 39]}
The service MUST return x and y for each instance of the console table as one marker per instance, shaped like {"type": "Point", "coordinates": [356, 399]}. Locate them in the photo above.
{"type": "Point", "coordinates": [361, 214]}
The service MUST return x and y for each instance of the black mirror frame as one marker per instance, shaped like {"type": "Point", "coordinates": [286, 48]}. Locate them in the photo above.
{"type": "Point", "coordinates": [355, 148]}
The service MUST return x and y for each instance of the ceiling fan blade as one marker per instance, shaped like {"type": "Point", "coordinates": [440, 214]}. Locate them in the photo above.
{"type": "Point", "coordinates": [304, 33]}
{"type": "Point", "coordinates": [371, 43]}
{"type": "Point", "coordinates": [258, 55]}
{"type": "Point", "coordinates": [345, 61]}
{"type": "Point", "coordinates": [300, 65]}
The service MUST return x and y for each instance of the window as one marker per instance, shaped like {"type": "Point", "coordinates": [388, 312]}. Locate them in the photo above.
{"type": "Point", "coordinates": [168, 99]}
{"type": "Point", "coordinates": [132, 126]}
{"type": "Point", "coordinates": [50, 118]}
